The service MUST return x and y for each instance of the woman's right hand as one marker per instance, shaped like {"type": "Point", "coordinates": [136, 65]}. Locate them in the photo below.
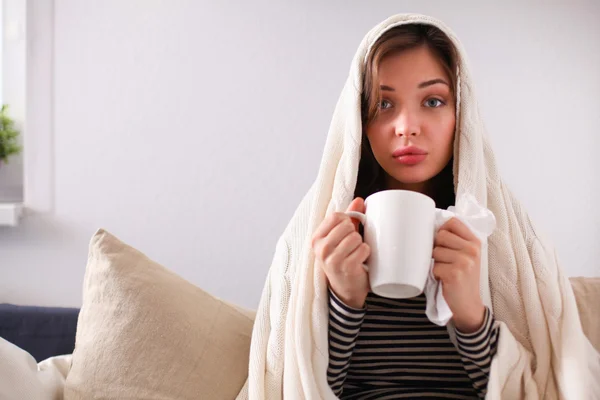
{"type": "Point", "coordinates": [340, 252]}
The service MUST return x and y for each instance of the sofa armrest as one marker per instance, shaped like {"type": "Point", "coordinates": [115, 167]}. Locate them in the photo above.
{"type": "Point", "coordinates": [43, 332]}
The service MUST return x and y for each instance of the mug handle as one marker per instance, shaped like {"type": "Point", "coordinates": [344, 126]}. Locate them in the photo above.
{"type": "Point", "coordinates": [363, 220]}
{"type": "Point", "coordinates": [357, 215]}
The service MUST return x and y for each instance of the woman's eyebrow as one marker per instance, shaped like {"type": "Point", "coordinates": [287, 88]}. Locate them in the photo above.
{"type": "Point", "coordinates": [432, 82]}
{"type": "Point", "coordinates": [421, 85]}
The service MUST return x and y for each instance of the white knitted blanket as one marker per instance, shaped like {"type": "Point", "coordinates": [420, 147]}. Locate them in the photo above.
{"type": "Point", "coordinates": [542, 351]}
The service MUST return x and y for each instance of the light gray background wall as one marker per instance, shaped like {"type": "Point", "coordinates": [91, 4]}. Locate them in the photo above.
{"type": "Point", "coordinates": [191, 129]}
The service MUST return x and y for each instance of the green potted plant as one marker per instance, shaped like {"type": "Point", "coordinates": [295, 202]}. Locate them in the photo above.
{"type": "Point", "coordinates": [9, 136]}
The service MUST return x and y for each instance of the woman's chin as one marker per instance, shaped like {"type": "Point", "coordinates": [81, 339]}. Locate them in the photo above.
{"type": "Point", "coordinates": [414, 174]}
{"type": "Point", "coordinates": [410, 178]}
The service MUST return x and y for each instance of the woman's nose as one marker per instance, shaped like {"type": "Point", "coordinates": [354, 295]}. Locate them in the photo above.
{"type": "Point", "coordinates": [407, 124]}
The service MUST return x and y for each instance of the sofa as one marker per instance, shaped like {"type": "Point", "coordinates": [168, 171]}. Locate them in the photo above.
{"type": "Point", "coordinates": [43, 332]}
{"type": "Point", "coordinates": [144, 332]}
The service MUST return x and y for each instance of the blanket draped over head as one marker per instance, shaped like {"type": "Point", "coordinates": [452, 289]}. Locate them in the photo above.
{"type": "Point", "coordinates": [542, 350]}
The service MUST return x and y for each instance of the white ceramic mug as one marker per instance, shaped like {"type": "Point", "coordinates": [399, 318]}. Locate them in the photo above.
{"type": "Point", "coordinates": [399, 226]}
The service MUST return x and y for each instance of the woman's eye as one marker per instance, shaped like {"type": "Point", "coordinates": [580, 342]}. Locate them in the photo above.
{"type": "Point", "coordinates": [384, 104]}
{"type": "Point", "coordinates": [434, 103]}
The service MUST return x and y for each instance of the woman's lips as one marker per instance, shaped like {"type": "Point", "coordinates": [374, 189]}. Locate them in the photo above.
{"type": "Point", "coordinates": [410, 155]}
{"type": "Point", "coordinates": [411, 159]}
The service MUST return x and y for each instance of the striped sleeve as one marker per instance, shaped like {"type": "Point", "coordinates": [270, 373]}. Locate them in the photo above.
{"type": "Point", "coordinates": [344, 326]}
{"type": "Point", "coordinates": [477, 350]}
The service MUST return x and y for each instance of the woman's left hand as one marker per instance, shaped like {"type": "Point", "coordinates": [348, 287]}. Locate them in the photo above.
{"type": "Point", "coordinates": [457, 255]}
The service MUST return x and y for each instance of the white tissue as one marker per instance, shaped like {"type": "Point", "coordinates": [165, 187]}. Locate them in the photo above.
{"type": "Point", "coordinates": [482, 223]}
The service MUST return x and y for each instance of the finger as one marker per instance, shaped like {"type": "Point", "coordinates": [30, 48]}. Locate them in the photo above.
{"type": "Point", "coordinates": [327, 225]}
{"type": "Point", "coordinates": [438, 270]}
{"type": "Point", "coordinates": [334, 219]}
{"type": "Point", "coordinates": [358, 204]}
{"type": "Point", "coordinates": [457, 227]}
{"type": "Point", "coordinates": [345, 247]}
{"type": "Point", "coordinates": [448, 239]}
{"type": "Point", "coordinates": [445, 255]}
{"type": "Point", "coordinates": [327, 246]}
{"type": "Point", "coordinates": [442, 271]}
{"type": "Point", "coordinates": [359, 256]}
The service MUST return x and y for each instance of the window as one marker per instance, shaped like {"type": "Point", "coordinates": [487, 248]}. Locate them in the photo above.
{"type": "Point", "coordinates": [12, 92]}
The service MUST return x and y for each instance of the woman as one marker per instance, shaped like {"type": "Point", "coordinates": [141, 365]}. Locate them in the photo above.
{"type": "Point", "coordinates": [515, 332]}
{"type": "Point", "coordinates": [409, 108]}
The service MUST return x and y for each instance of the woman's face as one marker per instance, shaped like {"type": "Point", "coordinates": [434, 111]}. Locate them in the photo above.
{"type": "Point", "coordinates": [412, 137]}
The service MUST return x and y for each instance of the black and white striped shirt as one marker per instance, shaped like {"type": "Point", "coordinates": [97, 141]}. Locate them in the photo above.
{"type": "Point", "coordinates": [390, 350]}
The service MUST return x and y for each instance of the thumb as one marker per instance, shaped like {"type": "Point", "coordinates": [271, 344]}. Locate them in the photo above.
{"type": "Point", "coordinates": [358, 204]}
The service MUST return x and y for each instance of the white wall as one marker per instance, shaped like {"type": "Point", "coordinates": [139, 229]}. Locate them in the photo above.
{"type": "Point", "coordinates": [191, 129]}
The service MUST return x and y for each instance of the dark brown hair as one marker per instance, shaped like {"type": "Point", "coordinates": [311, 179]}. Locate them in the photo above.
{"type": "Point", "coordinates": [371, 177]}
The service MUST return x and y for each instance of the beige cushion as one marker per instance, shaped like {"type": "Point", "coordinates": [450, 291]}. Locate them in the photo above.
{"type": "Point", "coordinates": [587, 295]}
{"type": "Point", "coordinates": [146, 333]}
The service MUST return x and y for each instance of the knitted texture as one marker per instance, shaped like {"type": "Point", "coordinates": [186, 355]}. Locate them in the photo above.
{"type": "Point", "coordinates": [542, 352]}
